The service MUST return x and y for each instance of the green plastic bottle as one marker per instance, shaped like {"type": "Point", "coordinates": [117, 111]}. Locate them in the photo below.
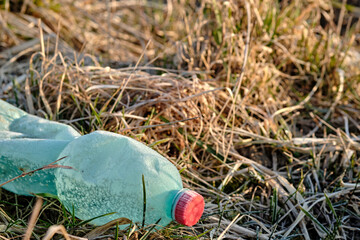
{"type": "Point", "coordinates": [106, 175]}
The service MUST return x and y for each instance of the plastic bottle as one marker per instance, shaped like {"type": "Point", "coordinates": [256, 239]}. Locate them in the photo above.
{"type": "Point", "coordinates": [106, 175]}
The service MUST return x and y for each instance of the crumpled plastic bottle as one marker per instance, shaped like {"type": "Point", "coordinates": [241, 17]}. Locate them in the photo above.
{"type": "Point", "coordinates": [106, 173]}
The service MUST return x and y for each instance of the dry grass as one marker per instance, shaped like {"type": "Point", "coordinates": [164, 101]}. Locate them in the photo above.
{"type": "Point", "coordinates": [257, 104]}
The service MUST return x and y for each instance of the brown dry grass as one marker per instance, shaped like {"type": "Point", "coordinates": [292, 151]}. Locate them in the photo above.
{"type": "Point", "coordinates": [257, 103]}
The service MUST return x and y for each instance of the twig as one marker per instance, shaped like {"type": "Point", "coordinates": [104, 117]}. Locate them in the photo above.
{"type": "Point", "coordinates": [58, 229]}
{"type": "Point", "coordinates": [51, 165]}
{"type": "Point", "coordinates": [228, 227]}
{"type": "Point", "coordinates": [157, 125]}
{"type": "Point", "coordinates": [33, 218]}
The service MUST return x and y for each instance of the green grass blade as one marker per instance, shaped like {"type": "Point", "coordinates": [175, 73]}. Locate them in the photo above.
{"type": "Point", "coordinates": [330, 205]}
{"type": "Point", "coordinates": [117, 231]}
{"type": "Point", "coordinates": [144, 199]}
{"type": "Point", "coordinates": [315, 221]}
{"type": "Point", "coordinates": [274, 205]}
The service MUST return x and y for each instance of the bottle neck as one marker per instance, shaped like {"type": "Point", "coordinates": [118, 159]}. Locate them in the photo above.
{"type": "Point", "coordinates": [175, 201]}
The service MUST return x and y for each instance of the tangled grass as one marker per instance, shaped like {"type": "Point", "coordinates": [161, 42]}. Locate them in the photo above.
{"type": "Point", "coordinates": [257, 103]}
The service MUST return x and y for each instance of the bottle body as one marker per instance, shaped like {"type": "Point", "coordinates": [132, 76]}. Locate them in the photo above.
{"type": "Point", "coordinates": [109, 173]}
{"type": "Point", "coordinates": [107, 178]}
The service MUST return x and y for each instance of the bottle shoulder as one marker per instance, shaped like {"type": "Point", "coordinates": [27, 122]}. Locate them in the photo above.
{"type": "Point", "coordinates": [102, 156]}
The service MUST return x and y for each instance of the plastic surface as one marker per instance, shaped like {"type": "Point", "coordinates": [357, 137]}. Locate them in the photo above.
{"type": "Point", "coordinates": [106, 174]}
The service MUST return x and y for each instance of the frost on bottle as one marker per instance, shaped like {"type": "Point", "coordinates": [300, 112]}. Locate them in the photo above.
{"type": "Point", "coordinates": [106, 174]}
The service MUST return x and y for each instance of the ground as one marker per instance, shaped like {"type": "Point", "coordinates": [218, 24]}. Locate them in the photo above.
{"type": "Point", "coordinates": [255, 102]}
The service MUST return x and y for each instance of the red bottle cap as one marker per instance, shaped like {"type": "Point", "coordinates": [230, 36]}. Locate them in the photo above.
{"type": "Point", "coordinates": [189, 206]}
